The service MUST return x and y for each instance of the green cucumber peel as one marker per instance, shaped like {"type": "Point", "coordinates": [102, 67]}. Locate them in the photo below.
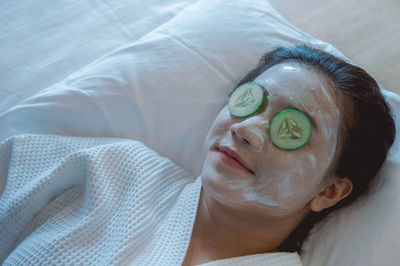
{"type": "Point", "coordinates": [246, 100]}
{"type": "Point", "coordinates": [290, 130]}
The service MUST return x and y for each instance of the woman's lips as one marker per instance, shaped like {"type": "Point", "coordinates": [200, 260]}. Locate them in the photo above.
{"type": "Point", "coordinates": [232, 161]}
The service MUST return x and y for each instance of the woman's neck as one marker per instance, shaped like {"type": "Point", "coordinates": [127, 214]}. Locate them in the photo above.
{"type": "Point", "coordinates": [220, 233]}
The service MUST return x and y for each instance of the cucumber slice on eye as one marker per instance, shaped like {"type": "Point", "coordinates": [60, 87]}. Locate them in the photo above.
{"type": "Point", "coordinates": [290, 129]}
{"type": "Point", "coordinates": [246, 99]}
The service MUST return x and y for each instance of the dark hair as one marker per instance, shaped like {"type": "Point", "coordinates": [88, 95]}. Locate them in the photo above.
{"type": "Point", "coordinates": [365, 137]}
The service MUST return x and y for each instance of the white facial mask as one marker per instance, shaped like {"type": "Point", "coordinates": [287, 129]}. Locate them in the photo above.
{"type": "Point", "coordinates": [284, 181]}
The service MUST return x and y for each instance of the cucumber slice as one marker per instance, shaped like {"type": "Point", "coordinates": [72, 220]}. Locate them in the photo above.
{"type": "Point", "coordinates": [290, 129]}
{"type": "Point", "coordinates": [246, 99]}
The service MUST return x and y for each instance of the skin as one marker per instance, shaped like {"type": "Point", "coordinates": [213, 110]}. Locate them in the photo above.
{"type": "Point", "coordinates": [241, 213]}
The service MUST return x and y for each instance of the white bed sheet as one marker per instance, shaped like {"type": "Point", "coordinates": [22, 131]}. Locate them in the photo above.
{"type": "Point", "coordinates": [42, 42]}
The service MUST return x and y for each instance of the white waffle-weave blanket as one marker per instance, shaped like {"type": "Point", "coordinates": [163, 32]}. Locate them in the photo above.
{"type": "Point", "coordinates": [92, 201]}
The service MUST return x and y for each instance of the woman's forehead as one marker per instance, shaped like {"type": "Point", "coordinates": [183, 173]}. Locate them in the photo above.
{"type": "Point", "coordinates": [292, 81]}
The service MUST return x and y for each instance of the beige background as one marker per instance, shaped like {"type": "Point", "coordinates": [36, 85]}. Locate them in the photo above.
{"type": "Point", "coordinates": [366, 31]}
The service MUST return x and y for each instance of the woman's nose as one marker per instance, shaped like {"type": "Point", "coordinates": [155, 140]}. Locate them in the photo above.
{"type": "Point", "coordinates": [252, 131]}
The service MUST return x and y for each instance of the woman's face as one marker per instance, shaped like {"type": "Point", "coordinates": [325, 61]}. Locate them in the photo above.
{"type": "Point", "coordinates": [281, 182]}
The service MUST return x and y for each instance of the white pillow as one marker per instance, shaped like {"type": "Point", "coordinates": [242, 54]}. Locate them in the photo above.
{"type": "Point", "coordinates": [166, 89]}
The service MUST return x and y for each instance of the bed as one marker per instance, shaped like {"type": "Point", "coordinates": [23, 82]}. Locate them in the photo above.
{"type": "Point", "coordinates": [114, 69]}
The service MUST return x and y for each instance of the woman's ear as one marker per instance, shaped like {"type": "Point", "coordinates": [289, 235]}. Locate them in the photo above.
{"type": "Point", "coordinates": [333, 192]}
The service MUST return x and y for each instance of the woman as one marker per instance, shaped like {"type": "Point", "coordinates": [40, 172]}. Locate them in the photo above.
{"type": "Point", "coordinates": [272, 204]}
{"type": "Point", "coordinates": [98, 201]}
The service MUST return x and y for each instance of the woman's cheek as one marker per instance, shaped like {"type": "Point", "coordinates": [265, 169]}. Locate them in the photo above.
{"type": "Point", "coordinates": [303, 175]}
{"type": "Point", "coordinates": [277, 180]}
